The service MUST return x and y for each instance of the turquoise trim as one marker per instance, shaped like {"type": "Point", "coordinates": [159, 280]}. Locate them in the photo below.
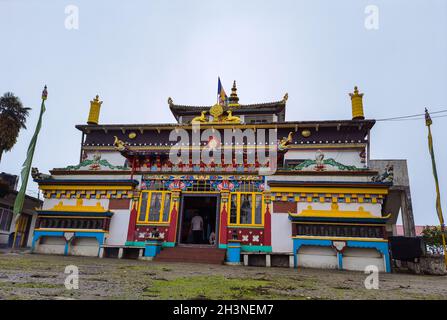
{"type": "Point", "coordinates": [142, 244]}
{"type": "Point", "coordinates": [37, 234]}
{"type": "Point", "coordinates": [256, 248]}
{"type": "Point", "coordinates": [250, 248]}
{"type": "Point", "coordinates": [168, 244]}
{"type": "Point", "coordinates": [340, 260]}
{"type": "Point", "coordinates": [135, 244]}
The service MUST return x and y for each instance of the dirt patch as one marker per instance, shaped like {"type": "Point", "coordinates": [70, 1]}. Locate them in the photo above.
{"type": "Point", "coordinates": [32, 276]}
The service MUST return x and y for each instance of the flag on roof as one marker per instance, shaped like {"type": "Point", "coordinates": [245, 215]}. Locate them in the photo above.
{"type": "Point", "coordinates": [222, 98]}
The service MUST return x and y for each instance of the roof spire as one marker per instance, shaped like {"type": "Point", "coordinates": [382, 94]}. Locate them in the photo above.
{"type": "Point", "coordinates": [234, 99]}
{"type": "Point", "coordinates": [357, 104]}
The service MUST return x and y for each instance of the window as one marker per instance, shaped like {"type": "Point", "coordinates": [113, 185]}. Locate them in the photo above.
{"type": "Point", "coordinates": [233, 210]}
{"type": "Point", "coordinates": [246, 209]}
{"type": "Point", "coordinates": [154, 207]}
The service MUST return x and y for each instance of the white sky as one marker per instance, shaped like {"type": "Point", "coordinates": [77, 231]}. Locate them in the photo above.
{"type": "Point", "coordinates": [135, 54]}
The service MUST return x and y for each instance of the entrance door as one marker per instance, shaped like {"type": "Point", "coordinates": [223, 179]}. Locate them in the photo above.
{"type": "Point", "coordinates": [199, 222]}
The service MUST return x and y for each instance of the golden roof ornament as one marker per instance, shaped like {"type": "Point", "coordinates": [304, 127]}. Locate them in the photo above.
{"type": "Point", "coordinates": [95, 108]}
{"type": "Point", "coordinates": [216, 111]}
{"type": "Point", "coordinates": [357, 104]}
{"type": "Point", "coordinates": [119, 144]}
{"type": "Point", "coordinates": [233, 101]}
{"type": "Point", "coordinates": [170, 101]}
{"type": "Point", "coordinates": [231, 118]}
{"type": "Point", "coordinates": [285, 98]}
{"type": "Point", "coordinates": [201, 118]}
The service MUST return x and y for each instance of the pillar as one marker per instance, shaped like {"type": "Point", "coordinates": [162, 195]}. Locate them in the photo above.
{"type": "Point", "coordinates": [340, 260]}
{"type": "Point", "coordinates": [268, 260]}
{"type": "Point", "coordinates": [407, 213]}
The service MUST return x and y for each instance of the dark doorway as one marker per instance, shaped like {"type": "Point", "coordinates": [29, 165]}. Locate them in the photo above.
{"type": "Point", "coordinates": [198, 221]}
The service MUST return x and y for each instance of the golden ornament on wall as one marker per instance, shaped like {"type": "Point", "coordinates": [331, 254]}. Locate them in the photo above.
{"type": "Point", "coordinates": [132, 135]}
{"type": "Point", "coordinates": [306, 133]}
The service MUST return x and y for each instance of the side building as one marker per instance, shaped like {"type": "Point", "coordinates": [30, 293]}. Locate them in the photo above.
{"type": "Point", "coordinates": [297, 193]}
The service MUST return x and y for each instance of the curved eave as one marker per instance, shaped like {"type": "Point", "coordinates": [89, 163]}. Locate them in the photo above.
{"type": "Point", "coordinates": [366, 124]}
{"type": "Point", "coordinates": [257, 108]}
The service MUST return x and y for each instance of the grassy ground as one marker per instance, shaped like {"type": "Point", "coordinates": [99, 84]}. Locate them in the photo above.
{"type": "Point", "coordinates": [32, 276]}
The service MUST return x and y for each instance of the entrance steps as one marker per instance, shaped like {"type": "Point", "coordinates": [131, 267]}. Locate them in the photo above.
{"type": "Point", "coordinates": [192, 254]}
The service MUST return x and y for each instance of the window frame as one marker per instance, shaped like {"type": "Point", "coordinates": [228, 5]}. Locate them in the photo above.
{"type": "Point", "coordinates": [146, 220]}
{"type": "Point", "coordinates": [253, 209]}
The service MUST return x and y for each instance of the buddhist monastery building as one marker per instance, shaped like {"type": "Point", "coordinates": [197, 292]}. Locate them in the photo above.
{"type": "Point", "coordinates": [228, 183]}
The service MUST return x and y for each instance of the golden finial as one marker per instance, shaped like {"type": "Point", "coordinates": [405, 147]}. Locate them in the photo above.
{"type": "Point", "coordinates": [170, 102]}
{"type": "Point", "coordinates": [233, 101]}
{"type": "Point", "coordinates": [95, 107]}
{"type": "Point", "coordinates": [357, 104]}
{"type": "Point", "coordinates": [286, 97]}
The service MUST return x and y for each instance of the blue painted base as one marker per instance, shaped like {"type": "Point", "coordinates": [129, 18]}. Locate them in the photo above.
{"type": "Point", "coordinates": [381, 246]}
{"type": "Point", "coordinates": [78, 234]}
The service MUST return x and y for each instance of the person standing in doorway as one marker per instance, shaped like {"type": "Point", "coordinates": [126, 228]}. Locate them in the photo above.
{"type": "Point", "coordinates": [197, 228]}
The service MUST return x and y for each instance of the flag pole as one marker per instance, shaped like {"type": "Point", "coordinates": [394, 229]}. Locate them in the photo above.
{"type": "Point", "coordinates": [428, 123]}
{"type": "Point", "coordinates": [26, 168]}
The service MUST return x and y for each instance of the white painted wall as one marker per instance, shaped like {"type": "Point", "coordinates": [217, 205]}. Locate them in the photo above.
{"type": "Point", "coordinates": [281, 233]}
{"type": "Point", "coordinates": [50, 245]}
{"type": "Point", "coordinates": [359, 258]}
{"type": "Point", "coordinates": [317, 257]}
{"type": "Point", "coordinates": [87, 247]}
{"type": "Point", "coordinates": [118, 228]}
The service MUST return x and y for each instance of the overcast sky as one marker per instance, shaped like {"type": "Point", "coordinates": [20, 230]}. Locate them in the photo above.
{"type": "Point", "coordinates": [135, 54]}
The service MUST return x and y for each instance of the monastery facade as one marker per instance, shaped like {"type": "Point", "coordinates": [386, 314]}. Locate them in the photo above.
{"type": "Point", "coordinates": [286, 193]}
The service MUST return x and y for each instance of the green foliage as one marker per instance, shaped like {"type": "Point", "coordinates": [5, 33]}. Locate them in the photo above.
{"type": "Point", "coordinates": [210, 287]}
{"type": "Point", "coordinates": [432, 236]}
{"type": "Point", "coordinates": [12, 118]}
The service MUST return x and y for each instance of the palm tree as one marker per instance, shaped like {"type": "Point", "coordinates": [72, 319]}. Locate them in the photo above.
{"type": "Point", "coordinates": [12, 118]}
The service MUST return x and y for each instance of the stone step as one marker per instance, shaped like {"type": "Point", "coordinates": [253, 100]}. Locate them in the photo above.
{"type": "Point", "coordinates": [192, 254]}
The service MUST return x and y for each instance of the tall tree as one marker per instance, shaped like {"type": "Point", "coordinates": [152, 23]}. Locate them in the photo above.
{"type": "Point", "coordinates": [12, 118]}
